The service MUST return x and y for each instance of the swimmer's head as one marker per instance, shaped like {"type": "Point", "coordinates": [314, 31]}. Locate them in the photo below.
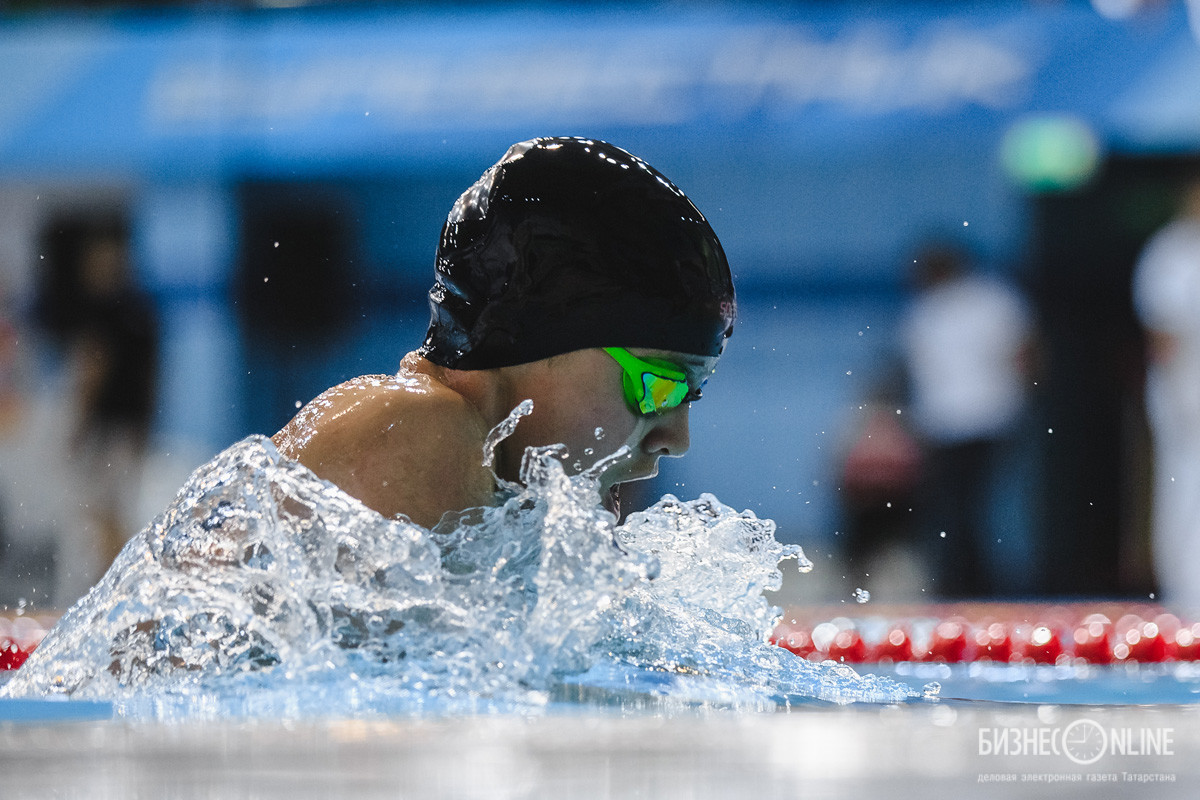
{"type": "Point", "coordinates": [567, 244]}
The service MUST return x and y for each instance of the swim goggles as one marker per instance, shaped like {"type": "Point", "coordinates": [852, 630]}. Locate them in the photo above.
{"type": "Point", "coordinates": [652, 386]}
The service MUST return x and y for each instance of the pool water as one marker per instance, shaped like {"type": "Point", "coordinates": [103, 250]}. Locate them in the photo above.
{"type": "Point", "coordinates": [615, 688]}
{"type": "Point", "coordinates": [268, 636]}
{"type": "Point", "coordinates": [265, 591]}
{"type": "Point", "coordinates": [1160, 684]}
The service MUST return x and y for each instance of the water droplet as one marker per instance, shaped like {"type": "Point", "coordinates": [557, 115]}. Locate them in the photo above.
{"type": "Point", "coordinates": [931, 689]}
{"type": "Point", "coordinates": [861, 596]}
{"type": "Point", "coordinates": [942, 534]}
{"type": "Point", "coordinates": [598, 433]}
{"type": "Point", "coordinates": [298, 404]}
{"type": "Point", "coordinates": [589, 451]}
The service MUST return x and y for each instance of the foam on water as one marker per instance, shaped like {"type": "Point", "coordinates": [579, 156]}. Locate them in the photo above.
{"type": "Point", "coordinates": [263, 590]}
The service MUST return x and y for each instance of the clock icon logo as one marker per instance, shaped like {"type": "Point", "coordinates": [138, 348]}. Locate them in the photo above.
{"type": "Point", "coordinates": [1084, 741]}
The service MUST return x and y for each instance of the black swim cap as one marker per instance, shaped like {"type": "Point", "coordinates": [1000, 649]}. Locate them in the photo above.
{"type": "Point", "coordinates": [570, 243]}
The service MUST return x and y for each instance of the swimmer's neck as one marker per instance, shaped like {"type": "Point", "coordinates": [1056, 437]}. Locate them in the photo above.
{"type": "Point", "coordinates": [493, 394]}
{"type": "Point", "coordinates": [479, 387]}
{"type": "Point", "coordinates": [489, 392]}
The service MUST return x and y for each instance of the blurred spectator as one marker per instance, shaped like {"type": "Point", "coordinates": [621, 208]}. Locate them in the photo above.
{"type": "Point", "coordinates": [1166, 292]}
{"type": "Point", "coordinates": [10, 396]}
{"type": "Point", "coordinates": [967, 341]}
{"type": "Point", "coordinates": [34, 503]}
{"type": "Point", "coordinates": [114, 359]}
{"type": "Point", "coordinates": [880, 477]}
{"type": "Point", "coordinates": [107, 331]}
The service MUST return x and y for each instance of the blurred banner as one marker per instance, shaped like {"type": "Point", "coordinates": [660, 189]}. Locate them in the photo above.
{"type": "Point", "coordinates": [222, 90]}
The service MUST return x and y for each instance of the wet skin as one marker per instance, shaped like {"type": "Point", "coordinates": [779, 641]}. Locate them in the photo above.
{"type": "Point", "coordinates": [412, 443]}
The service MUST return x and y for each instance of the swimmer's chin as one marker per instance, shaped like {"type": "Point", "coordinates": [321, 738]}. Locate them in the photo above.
{"type": "Point", "coordinates": [610, 498]}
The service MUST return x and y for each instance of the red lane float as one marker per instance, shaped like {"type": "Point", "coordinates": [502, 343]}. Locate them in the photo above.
{"type": "Point", "coordinates": [19, 636]}
{"type": "Point", "coordinates": [1012, 635]}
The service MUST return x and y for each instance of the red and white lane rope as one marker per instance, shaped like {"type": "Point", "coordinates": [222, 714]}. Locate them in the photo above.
{"type": "Point", "coordinates": [1018, 634]}
{"type": "Point", "coordinates": [1025, 635]}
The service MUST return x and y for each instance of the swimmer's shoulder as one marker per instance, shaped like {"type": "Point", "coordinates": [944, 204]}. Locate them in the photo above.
{"type": "Point", "coordinates": [402, 444]}
{"type": "Point", "coordinates": [381, 405]}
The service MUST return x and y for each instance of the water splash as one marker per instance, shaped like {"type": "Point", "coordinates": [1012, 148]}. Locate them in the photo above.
{"type": "Point", "coordinates": [504, 430]}
{"type": "Point", "coordinates": [263, 590]}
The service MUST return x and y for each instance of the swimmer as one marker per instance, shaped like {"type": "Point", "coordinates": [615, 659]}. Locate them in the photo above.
{"type": "Point", "coordinates": [572, 274]}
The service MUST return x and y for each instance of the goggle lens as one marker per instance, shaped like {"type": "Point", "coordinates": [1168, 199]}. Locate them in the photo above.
{"type": "Point", "coordinates": [663, 393]}
{"type": "Point", "coordinates": [652, 387]}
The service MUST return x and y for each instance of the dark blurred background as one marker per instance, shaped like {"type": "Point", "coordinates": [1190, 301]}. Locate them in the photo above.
{"type": "Point", "coordinates": [263, 183]}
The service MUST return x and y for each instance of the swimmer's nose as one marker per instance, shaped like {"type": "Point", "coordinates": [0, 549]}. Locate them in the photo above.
{"type": "Point", "coordinates": [669, 436]}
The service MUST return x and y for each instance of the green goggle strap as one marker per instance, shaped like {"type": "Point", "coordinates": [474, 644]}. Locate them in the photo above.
{"type": "Point", "coordinates": [650, 388]}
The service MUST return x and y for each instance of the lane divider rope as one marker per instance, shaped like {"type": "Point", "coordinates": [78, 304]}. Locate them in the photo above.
{"type": "Point", "coordinates": [1056, 637]}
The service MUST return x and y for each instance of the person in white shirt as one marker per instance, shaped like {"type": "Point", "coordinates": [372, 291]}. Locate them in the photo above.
{"type": "Point", "coordinates": [1166, 293]}
{"type": "Point", "coordinates": [967, 342]}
